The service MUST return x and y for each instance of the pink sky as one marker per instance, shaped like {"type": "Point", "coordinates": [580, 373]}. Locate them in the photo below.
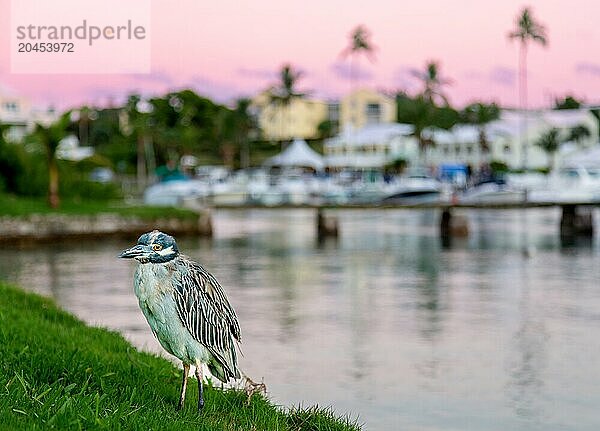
{"type": "Point", "coordinates": [230, 48]}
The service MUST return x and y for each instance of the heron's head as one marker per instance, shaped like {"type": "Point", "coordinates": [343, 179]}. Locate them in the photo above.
{"type": "Point", "coordinates": [152, 247]}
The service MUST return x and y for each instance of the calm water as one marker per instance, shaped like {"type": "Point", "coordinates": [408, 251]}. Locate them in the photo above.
{"type": "Point", "coordinates": [497, 332]}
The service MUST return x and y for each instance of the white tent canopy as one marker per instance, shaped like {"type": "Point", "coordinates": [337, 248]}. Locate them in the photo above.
{"type": "Point", "coordinates": [297, 154]}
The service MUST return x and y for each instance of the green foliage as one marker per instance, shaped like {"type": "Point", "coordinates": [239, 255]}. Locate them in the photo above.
{"type": "Point", "coordinates": [327, 129]}
{"type": "Point", "coordinates": [285, 91]}
{"type": "Point", "coordinates": [432, 83]}
{"type": "Point", "coordinates": [527, 29]}
{"type": "Point", "coordinates": [397, 166]}
{"type": "Point", "coordinates": [498, 167]}
{"type": "Point", "coordinates": [569, 102]}
{"type": "Point", "coordinates": [24, 206]}
{"type": "Point", "coordinates": [360, 42]}
{"type": "Point", "coordinates": [57, 373]}
{"type": "Point", "coordinates": [12, 165]}
{"type": "Point", "coordinates": [579, 133]}
{"type": "Point", "coordinates": [550, 141]}
{"type": "Point", "coordinates": [422, 113]}
{"type": "Point", "coordinates": [480, 113]}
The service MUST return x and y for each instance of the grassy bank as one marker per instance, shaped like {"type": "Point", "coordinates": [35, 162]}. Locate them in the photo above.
{"type": "Point", "coordinates": [20, 206]}
{"type": "Point", "coordinates": [56, 372]}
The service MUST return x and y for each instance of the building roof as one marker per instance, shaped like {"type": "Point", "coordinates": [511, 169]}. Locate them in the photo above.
{"type": "Point", "coordinates": [370, 134]}
{"type": "Point", "coordinates": [297, 154]}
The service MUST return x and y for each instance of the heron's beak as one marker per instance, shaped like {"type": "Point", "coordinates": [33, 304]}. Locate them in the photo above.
{"type": "Point", "coordinates": [135, 251]}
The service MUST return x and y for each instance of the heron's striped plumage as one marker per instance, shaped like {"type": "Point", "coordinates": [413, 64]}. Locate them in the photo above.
{"type": "Point", "coordinates": [204, 310]}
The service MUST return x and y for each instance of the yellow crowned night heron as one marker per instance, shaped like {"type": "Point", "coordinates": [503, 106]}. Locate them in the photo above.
{"type": "Point", "coordinates": [186, 308]}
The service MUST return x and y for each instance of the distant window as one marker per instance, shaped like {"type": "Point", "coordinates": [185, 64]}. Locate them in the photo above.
{"type": "Point", "coordinates": [334, 111]}
{"type": "Point", "coordinates": [507, 149]}
{"type": "Point", "coordinates": [373, 113]}
{"type": "Point", "coordinates": [11, 106]}
{"type": "Point", "coordinates": [469, 149]}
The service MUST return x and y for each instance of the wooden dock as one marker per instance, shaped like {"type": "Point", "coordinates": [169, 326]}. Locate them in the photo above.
{"type": "Point", "coordinates": [576, 219]}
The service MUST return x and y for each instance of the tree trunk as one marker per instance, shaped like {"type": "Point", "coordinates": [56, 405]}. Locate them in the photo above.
{"type": "Point", "coordinates": [245, 154]}
{"type": "Point", "coordinates": [53, 195]}
{"type": "Point", "coordinates": [523, 102]}
{"type": "Point", "coordinates": [141, 162]}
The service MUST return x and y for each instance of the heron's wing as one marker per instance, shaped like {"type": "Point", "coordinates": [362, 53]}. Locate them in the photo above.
{"type": "Point", "coordinates": [204, 310]}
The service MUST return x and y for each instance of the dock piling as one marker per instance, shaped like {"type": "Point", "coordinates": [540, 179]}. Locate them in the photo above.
{"type": "Point", "coordinates": [576, 221]}
{"type": "Point", "coordinates": [327, 226]}
{"type": "Point", "coordinates": [452, 225]}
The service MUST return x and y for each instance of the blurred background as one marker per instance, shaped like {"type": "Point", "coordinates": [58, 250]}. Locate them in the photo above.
{"type": "Point", "coordinates": [400, 199]}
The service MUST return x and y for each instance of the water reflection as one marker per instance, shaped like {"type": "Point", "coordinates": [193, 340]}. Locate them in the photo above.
{"type": "Point", "coordinates": [385, 321]}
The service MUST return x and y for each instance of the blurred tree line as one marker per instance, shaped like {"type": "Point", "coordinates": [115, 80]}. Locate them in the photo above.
{"type": "Point", "coordinates": [131, 139]}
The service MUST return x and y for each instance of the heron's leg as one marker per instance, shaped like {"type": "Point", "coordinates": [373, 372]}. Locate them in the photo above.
{"type": "Point", "coordinates": [200, 390]}
{"type": "Point", "coordinates": [186, 372]}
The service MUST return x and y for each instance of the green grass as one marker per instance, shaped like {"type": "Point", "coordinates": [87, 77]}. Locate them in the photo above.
{"type": "Point", "coordinates": [20, 206]}
{"type": "Point", "coordinates": [58, 373]}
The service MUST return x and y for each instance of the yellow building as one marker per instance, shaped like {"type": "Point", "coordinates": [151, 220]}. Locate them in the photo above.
{"type": "Point", "coordinates": [299, 119]}
{"type": "Point", "coordinates": [365, 106]}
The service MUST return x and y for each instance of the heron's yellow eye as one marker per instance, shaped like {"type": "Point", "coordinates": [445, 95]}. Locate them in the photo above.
{"type": "Point", "coordinates": [156, 247]}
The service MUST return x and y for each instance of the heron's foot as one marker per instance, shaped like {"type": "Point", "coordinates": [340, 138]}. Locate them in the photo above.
{"type": "Point", "coordinates": [251, 388]}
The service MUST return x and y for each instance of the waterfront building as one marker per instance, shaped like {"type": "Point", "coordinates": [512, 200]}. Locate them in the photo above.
{"type": "Point", "coordinates": [299, 119]}
{"type": "Point", "coordinates": [363, 107]}
{"type": "Point", "coordinates": [505, 140]}
{"type": "Point", "coordinates": [20, 114]}
{"type": "Point", "coordinates": [372, 146]}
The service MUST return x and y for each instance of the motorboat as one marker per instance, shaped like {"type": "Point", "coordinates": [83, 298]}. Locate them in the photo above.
{"type": "Point", "coordinates": [567, 185]}
{"type": "Point", "coordinates": [493, 191]}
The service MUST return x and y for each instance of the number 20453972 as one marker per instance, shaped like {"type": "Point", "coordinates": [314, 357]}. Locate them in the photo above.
{"type": "Point", "coordinates": [46, 47]}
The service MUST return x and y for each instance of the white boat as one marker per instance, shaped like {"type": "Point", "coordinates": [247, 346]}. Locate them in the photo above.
{"type": "Point", "coordinates": [568, 185]}
{"type": "Point", "coordinates": [415, 187]}
{"type": "Point", "coordinates": [492, 192]}
{"type": "Point", "coordinates": [175, 192]}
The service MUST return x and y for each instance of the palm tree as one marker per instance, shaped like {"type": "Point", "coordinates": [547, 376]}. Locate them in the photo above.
{"type": "Point", "coordinates": [432, 82]}
{"type": "Point", "coordinates": [50, 137]}
{"type": "Point", "coordinates": [137, 111]}
{"type": "Point", "coordinates": [359, 43]}
{"type": "Point", "coordinates": [550, 142]}
{"type": "Point", "coordinates": [246, 129]}
{"type": "Point", "coordinates": [282, 95]}
{"type": "Point", "coordinates": [480, 114]}
{"type": "Point", "coordinates": [579, 133]}
{"type": "Point", "coordinates": [418, 112]}
{"type": "Point", "coordinates": [527, 30]}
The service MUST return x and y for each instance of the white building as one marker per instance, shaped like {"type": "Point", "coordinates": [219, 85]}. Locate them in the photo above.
{"type": "Point", "coordinates": [372, 146]}
{"type": "Point", "coordinates": [511, 139]}
{"type": "Point", "coordinates": [20, 114]}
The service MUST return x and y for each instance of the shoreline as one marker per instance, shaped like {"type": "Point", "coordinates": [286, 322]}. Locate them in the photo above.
{"type": "Point", "coordinates": [63, 374]}
{"type": "Point", "coordinates": [37, 228]}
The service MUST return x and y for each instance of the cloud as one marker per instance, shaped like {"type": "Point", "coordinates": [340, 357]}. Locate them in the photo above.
{"type": "Point", "coordinates": [344, 71]}
{"type": "Point", "coordinates": [588, 69]}
{"type": "Point", "coordinates": [503, 75]}
{"type": "Point", "coordinates": [248, 72]}
{"type": "Point", "coordinates": [405, 78]}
